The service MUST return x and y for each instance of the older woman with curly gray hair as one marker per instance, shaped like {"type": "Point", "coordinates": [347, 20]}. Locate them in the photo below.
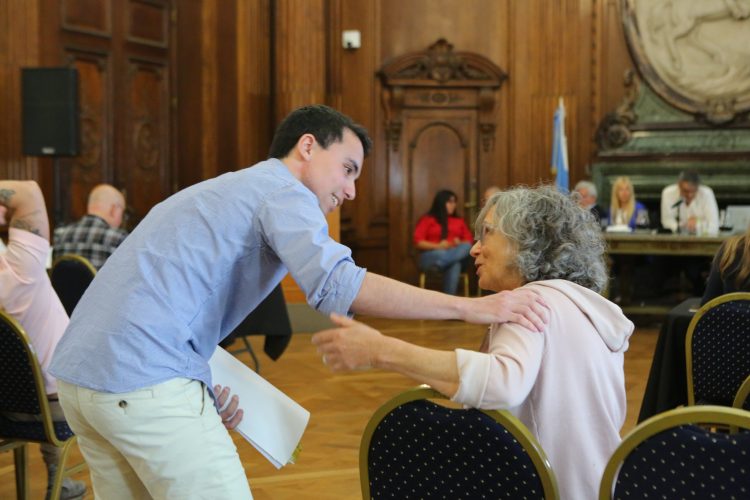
{"type": "Point", "coordinates": [565, 383]}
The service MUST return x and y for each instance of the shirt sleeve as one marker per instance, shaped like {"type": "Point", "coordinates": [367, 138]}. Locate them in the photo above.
{"type": "Point", "coordinates": [294, 227]}
{"type": "Point", "coordinates": [465, 232]}
{"type": "Point", "coordinates": [711, 211]}
{"type": "Point", "coordinates": [27, 253]}
{"type": "Point", "coordinates": [420, 231]}
{"type": "Point", "coordinates": [503, 377]}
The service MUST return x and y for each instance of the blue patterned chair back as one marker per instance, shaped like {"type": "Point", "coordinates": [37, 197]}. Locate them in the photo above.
{"type": "Point", "coordinates": [22, 388]}
{"type": "Point", "coordinates": [717, 348]}
{"type": "Point", "coordinates": [669, 456]}
{"type": "Point", "coordinates": [414, 448]}
{"type": "Point", "coordinates": [71, 275]}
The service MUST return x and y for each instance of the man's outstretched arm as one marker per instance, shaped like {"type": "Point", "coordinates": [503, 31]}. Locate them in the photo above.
{"type": "Point", "coordinates": [385, 297]}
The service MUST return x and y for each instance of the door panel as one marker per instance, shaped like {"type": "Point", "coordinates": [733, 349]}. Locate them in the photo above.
{"type": "Point", "coordinates": [440, 155]}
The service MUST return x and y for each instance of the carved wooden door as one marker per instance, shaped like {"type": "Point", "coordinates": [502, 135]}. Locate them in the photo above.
{"type": "Point", "coordinates": [122, 53]}
{"type": "Point", "coordinates": [440, 122]}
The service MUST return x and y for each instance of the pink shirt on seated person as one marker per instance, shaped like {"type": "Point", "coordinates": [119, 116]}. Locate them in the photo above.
{"type": "Point", "coordinates": [27, 295]}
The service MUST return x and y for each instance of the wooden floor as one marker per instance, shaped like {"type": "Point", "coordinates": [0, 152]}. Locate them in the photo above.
{"type": "Point", "coordinates": [327, 467]}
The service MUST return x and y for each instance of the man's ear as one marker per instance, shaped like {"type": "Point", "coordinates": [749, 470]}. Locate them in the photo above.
{"type": "Point", "coordinates": [305, 146]}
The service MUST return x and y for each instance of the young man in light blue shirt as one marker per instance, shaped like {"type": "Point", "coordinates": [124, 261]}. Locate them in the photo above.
{"type": "Point", "coordinates": [133, 364]}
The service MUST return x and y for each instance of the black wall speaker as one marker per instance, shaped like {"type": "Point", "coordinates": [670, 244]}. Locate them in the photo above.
{"type": "Point", "coordinates": [50, 111]}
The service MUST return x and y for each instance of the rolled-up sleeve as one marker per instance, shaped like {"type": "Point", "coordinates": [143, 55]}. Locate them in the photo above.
{"type": "Point", "coordinates": [503, 377]}
{"type": "Point", "coordinates": [296, 230]}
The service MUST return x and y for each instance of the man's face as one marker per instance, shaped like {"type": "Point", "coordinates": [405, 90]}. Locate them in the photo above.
{"type": "Point", "coordinates": [688, 191]}
{"type": "Point", "coordinates": [587, 199]}
{"type": "Point", "coordinates": [331, 172]}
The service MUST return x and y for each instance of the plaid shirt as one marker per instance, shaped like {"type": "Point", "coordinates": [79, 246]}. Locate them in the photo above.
{"type": "Point", "coordinates": [90, 237]}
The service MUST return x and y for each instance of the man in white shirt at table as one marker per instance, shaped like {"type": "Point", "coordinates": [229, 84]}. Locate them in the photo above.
{"type": "Point", "coordinates": [689, 207]}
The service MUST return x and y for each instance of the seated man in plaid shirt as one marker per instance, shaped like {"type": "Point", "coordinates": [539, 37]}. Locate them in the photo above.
{"type": "Point", "coordinates": [97, 234]}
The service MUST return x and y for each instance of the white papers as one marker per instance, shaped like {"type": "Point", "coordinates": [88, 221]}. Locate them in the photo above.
{"type": "Point", "coordinates": [272, 422]}
{"type": "Point", "coordinates": [619, 228]}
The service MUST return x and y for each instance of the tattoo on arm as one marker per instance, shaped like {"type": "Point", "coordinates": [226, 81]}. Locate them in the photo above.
{"type": "Point", "coordinates": [26, 226]}
{"type": "Point", "coordinates": [5, 196]}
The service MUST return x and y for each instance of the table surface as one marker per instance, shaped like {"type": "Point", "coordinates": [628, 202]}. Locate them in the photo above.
{"type": "Point", "coordinates": [648, 243]}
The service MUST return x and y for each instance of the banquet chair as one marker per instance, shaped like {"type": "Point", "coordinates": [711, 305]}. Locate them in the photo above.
{"type": "Point", "coordinates": [717, 350]}
{"type": "Point", "coordinates": [413, 447]}
{"type": "Point", "coordinates": [71, 274]}
{"type": "Point", "coordinates": [671, 456]}
{"type": "Point", "coordinates": [742, 398]}
{"type": "Point", "coordinates": [22, 391]}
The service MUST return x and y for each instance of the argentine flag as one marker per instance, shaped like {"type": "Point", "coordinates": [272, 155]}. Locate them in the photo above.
{"type": "Point", "coordinates": [560, 150]}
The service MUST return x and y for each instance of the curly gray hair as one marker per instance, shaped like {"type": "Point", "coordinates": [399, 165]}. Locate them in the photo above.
{"type": "Point", "coordinates": [554, 238]}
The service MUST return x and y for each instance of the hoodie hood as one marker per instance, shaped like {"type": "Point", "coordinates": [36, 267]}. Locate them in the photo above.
{"type": "Point", "coordinates": [608, 320]}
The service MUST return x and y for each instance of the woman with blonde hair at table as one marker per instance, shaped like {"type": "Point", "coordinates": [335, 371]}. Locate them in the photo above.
{"type": "Point", "coordinates": [624, 208]}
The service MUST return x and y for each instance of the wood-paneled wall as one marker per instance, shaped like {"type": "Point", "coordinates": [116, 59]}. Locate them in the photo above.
{"type": "Point", "coordinates": [572, 49]}
{"type": "Point", "coordinates": [236, 67]}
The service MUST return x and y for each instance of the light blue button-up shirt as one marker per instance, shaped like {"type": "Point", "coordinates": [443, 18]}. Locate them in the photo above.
{"type": "Point", "coordinates": [192, 270]}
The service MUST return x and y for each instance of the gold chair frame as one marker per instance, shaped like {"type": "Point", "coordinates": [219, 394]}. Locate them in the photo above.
{"type": "Point", "coordinates": [19, 445]}
{"type": "Point", "coordinates": [731, 418]}
{"type": "Point", "coordinates": [729, 297]}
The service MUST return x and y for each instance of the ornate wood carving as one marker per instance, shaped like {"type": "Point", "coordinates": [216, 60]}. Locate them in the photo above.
{"type": "Point", "coordinates": [614, 130]}
{"type": "Point", "coordinates": [440, 77]}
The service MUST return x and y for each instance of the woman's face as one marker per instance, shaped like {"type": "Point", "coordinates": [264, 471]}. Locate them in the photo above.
{"type": "Point", "coordinates": [623, 193]}
{"type": "Point", "coordinates": [494, 257]}
{"type": "Point", "coordinates": [450, 205]}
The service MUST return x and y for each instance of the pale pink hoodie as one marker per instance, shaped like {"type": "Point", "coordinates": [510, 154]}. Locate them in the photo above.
{"type": "Point", "coordinates": [565, 384]}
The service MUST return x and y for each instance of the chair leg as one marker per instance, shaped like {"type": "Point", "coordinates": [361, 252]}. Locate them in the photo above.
{"type": "Point", "coordinates": [22, 477]}
{"type": "Point", "coordinates": [252, 353]}
{"type": "Point", "coordinates": [422, 279]}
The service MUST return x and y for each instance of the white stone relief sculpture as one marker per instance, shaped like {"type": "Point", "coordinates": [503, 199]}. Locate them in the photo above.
{"type": "Point", "coordinates": [699, 49]}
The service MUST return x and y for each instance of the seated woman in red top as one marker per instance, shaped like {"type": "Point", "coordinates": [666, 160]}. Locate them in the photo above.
{"type": "Point", "coordinates": [444, 239]}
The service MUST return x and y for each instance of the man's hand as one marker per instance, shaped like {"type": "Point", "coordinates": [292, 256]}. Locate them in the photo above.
{"type": "Point", "coordinates": [692, 224]}
{"type": "Point", "coordinates": [352, 346]}
{"type": "Point", "coordinates": [230, 415]}
{"type": "Point", "coordinates": [520, 306]}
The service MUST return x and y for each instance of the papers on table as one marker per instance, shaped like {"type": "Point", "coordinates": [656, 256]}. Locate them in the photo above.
{"type": "Point", "coordinates": [272, 422]}
{"type": "Point", "coordinates": [619, 228]}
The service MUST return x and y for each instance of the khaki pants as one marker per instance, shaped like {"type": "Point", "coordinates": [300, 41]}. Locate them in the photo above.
{"type": "Point", "coordinates": [164, 441]}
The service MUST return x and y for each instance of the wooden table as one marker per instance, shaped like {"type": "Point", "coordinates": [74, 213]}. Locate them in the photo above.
{"type": "Point", "coordinates": [648, 243]}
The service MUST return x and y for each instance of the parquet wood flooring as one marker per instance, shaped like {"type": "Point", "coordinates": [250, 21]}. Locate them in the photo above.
{"type": "Point", "coordinates": [327, 467]}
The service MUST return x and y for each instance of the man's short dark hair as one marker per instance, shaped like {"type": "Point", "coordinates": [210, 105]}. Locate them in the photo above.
{"type": "Point", "coordinates": [690, 176]}
{"type": "Point", "coordinates": [323, 122]}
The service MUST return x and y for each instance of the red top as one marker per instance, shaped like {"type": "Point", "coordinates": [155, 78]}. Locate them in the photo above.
{"type": "Point", "coordinates": [429, 229]}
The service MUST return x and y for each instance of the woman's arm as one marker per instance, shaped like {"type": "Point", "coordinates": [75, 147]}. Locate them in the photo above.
{"type": "Point", "coordinates": [501, 379]}
{"type": "Point", "coordinates": [356, 346]}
